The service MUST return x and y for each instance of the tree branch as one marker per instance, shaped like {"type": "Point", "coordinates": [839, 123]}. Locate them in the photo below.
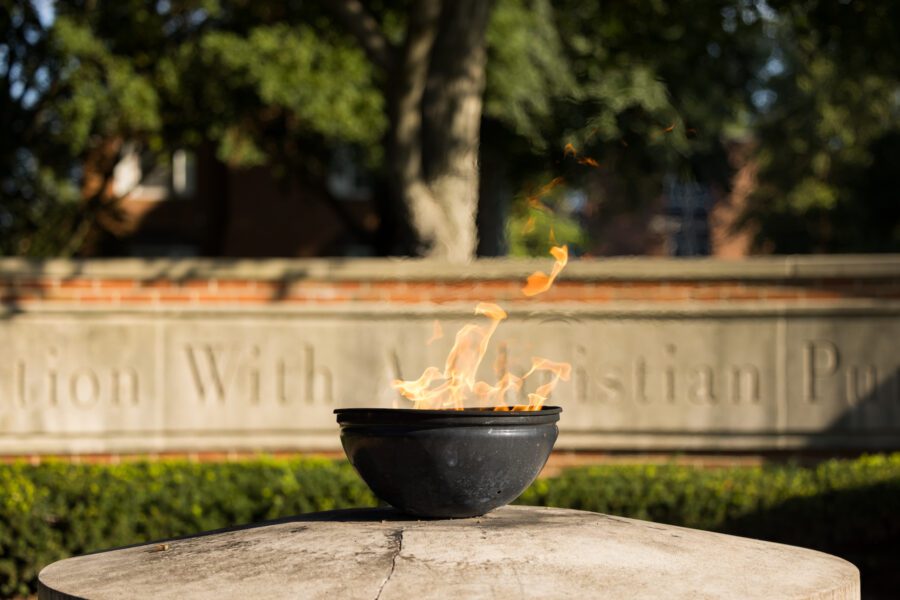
{"type": "Point", "coordinates": [410, 82]}
{"type": "Point", "coordinates": [363, 26]}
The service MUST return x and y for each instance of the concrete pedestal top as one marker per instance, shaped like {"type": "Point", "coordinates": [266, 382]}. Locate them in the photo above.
{"type": "Point", "coordinates": [513, 552]}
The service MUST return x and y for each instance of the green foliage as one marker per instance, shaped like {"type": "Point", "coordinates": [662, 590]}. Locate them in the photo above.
{"type": "Point", "coordinates": [647, 89]}
{"type": "Point", "coordinates": [651, 89]}
{"type": "Point", "coordinates": [293, 68]}
{"type": "Point", "coordinates": [264, 85]}
{"type": "Point", "coordinates": [534, 231]}
{"type": "Point", "coordinates": [56, 509]}
{"type": "Point", "coordinates": [719, 498]}
{"type": "Point", "coordinates": [65, 95]}
{"type": "Point", "coordinates": [30, 158]}
{"type": "Point", "coordinates": [643, 88]}
{"type": "Point", "coordinates": [543, 219]}
{"type": "Point", "coordinates": [105, 95]}
{"type": "Point", "coordinates": [527, 68]}
{"type": "Point", "coordinates": [826, 143]}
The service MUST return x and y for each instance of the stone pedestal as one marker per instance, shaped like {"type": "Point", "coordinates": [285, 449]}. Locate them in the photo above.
{"type": "Point", "coordinates": [514, 552]}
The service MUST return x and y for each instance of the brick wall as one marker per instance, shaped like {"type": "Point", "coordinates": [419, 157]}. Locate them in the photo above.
{"type": "Point", "coordinates": [209, 283]}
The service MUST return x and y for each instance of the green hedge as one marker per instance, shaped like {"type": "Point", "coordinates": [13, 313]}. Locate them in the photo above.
{"type": "Point", "coordinates": [59, 509]}
{"type": "Point", "coordinates": [836, 503]}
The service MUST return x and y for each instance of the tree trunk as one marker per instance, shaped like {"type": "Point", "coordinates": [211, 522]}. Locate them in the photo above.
{"type": "Point", "coordinates": [495, 190]}
{"type": "Point", "coordinates": [452, 109]}
{"type": "Point", "coordinates": [413, 203]}
{"type": "Point", "coordinates": [434, 89]}
{"type": "Point", "coordinates": [99, 215]}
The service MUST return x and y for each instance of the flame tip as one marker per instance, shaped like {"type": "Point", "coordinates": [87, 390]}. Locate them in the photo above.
{"type": "Point", "coordinates": [457, 383]}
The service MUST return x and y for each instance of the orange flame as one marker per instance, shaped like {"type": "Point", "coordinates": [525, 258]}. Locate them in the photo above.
{"type": "Point", "coordinates": [539, 282]}
{"type": "Point", "coordinates": [534, 201]}
{"type": "Point", "coordinates": [559, 370]}
{"type": "Point", "coordinates": [546, 188]}
{"type": "Point", "coordinates": [457, 384]}
{"type": "Point", "coordinates": [529, 225]}
{"type": "Point", "coordinates": [496, 395]}
{"type": "Point", "coordinates": [570, 150]}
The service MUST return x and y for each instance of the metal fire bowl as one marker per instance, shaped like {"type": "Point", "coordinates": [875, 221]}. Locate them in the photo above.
{"type": "Point", "coordinates": [447, 463]}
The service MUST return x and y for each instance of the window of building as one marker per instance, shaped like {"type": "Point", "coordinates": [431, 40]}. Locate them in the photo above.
{"type": "Point", "coordinates": [142, 175]}
{"type": "Point", "coordinates": [347, 178]}
{"type": "Point", "coordinates": [687, 218]}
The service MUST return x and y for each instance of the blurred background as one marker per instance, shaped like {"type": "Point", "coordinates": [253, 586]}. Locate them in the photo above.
{"type": "Point", "coordinates": [238, 128]}
{"type": "Point", "coordinates": [163, 396]}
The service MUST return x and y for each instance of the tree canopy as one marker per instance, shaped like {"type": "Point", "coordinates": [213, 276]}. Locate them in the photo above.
{"type": "Point", "coordinates": [829, 134]}
{"type": "Point", "coordinates": [612, 97]}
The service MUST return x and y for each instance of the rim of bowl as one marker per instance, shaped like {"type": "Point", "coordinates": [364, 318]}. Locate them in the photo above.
{"type": "Point", "coordinates": [469, 416]}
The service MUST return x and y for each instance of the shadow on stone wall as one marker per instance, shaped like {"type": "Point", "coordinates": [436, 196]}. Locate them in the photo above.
{"type": "Point", "coordinates": [873, 408]}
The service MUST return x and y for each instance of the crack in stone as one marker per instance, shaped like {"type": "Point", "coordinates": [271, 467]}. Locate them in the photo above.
{"type": "Point", "coordinates": [397, 543]}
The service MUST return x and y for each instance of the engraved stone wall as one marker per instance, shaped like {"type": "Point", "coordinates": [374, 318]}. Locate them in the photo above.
{"type": "Point", "coordinates": [129, 357]}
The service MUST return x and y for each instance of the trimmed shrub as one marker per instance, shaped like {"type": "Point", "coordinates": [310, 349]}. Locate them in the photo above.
{"type": "Point", "coordinates": [58, 509]}
{"type": "Point", "coordinates": [837, 502]}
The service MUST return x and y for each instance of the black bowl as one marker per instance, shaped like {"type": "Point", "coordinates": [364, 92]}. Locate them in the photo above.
{"type": "Point", "coordinates": [447, 463]}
